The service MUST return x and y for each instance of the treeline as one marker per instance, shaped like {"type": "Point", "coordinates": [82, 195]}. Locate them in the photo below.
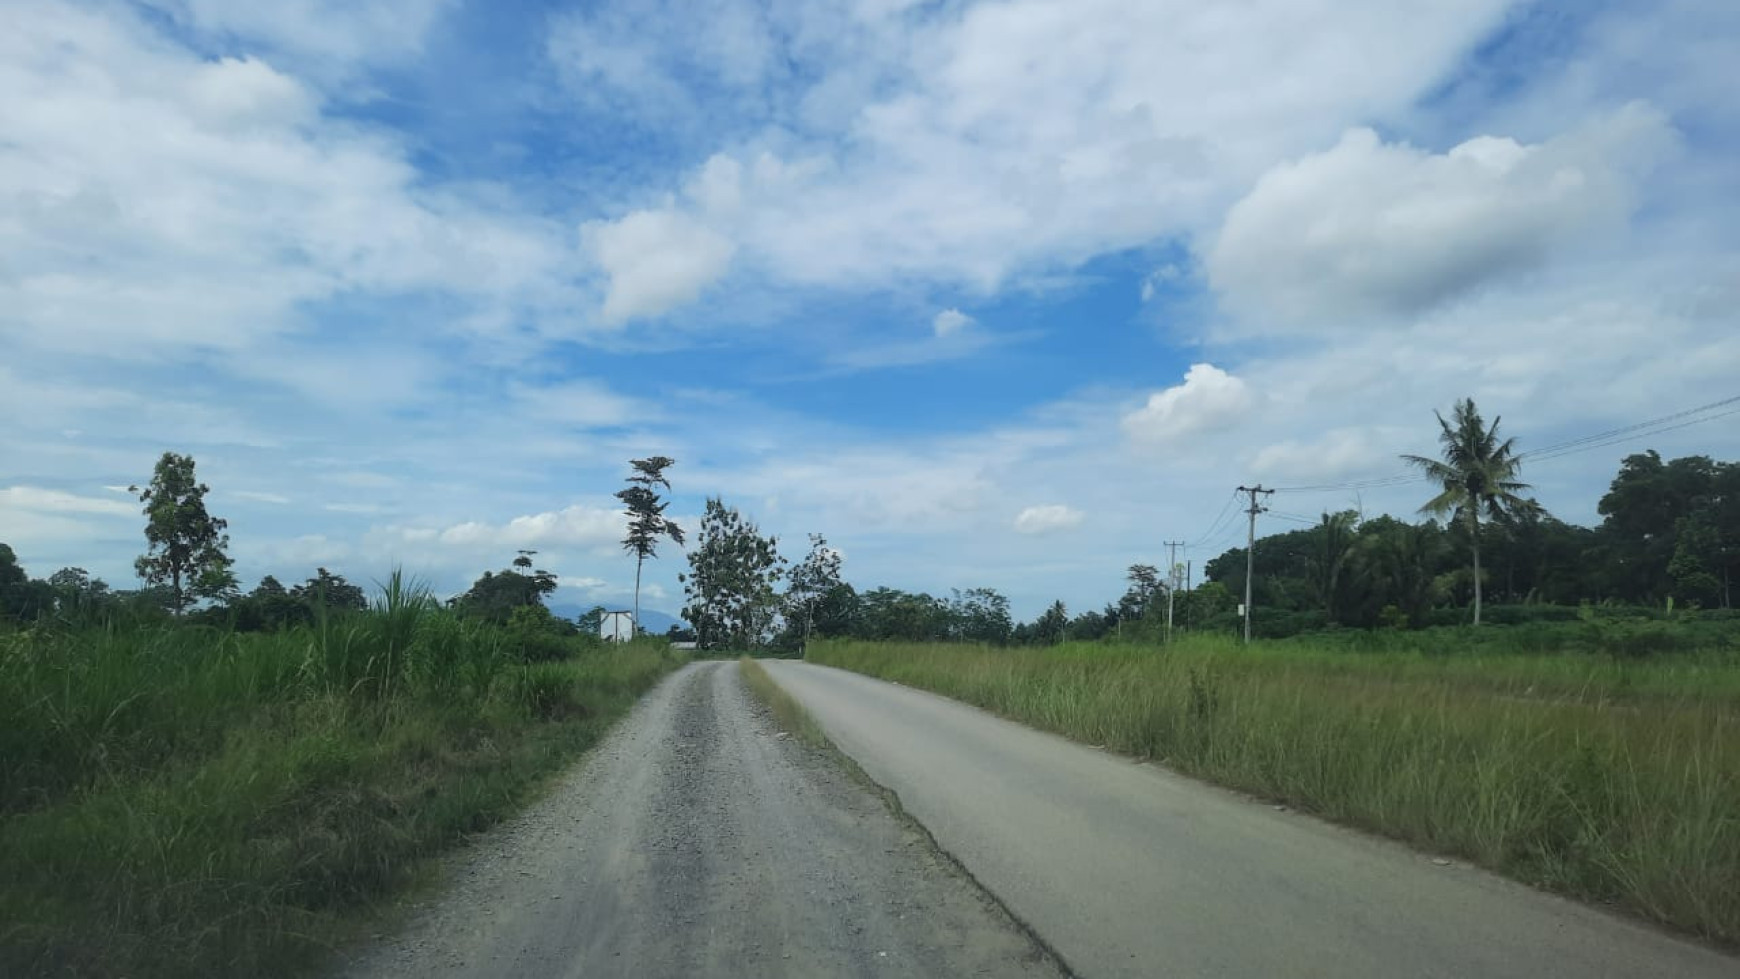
{"type": "Point", "coordinates": [1669, 536]}
{"type": "Point", "coordinates": [1669, 539]}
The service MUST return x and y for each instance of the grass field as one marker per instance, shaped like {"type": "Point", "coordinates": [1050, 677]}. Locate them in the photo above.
{"type": "Point", "coordinates": [180, 801]}
{"type": "Point", "coordinates": [1611, 780]}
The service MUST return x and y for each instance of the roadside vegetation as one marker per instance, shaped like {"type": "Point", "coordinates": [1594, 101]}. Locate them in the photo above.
{"type": "Point", "coordinates": [191, 801]}
{"type": "Point", "coordinates": [197, 781]}
{"type": "Point", "coordinates": [1607, 778]}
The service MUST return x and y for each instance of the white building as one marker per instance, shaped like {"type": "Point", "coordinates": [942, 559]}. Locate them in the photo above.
{"type": "Point", "coordinates": [616, 626]}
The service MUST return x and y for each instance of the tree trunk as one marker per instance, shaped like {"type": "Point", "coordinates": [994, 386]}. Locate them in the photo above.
{"type": "Point", "coordinates": [634, 627]}
{"type": "Point", "coordinates": [1477, 574]}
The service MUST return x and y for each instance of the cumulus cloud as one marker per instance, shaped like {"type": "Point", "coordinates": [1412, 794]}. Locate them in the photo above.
{"type": "Point", "coordinates": [1369, 227]}
{"type": "Point", "coordinates": [1047, 519]}
{"type": "Point", "coordinates": [950, 322]}
{"type": "Point", "coordinates": [656, 261]}
{"type": "Point", "coordinates": [1210, 399]}
{"type": "Point", "coordinates": [158, 199]}
{"type": "Point", "coordinates": [969, 145]}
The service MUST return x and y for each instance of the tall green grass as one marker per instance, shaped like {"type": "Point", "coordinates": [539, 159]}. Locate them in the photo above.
{"type": "Point", "coordinates": [1606, 779]}
{"type": "Point", "coordinates": [182, 801]}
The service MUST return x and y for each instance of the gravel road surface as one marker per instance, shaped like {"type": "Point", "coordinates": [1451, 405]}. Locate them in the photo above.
{"type": "Point", "coordinates": [1126, 869]}
{"type": "Point", "coordinates": [697, 841]}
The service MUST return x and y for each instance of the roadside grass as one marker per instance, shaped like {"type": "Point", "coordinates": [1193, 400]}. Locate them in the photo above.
{"type": "Point", "coordinates": [787, 712]}
{"type": "Point", "coordinates": [184, 801]}
{"type": "Point", "coordinates": [1613, 781]}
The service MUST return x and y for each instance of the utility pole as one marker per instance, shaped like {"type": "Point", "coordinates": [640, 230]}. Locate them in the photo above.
{"type": "Point", "coordinates": [1172, 547]}
{"type": "Point", "coordinates": [1251, 549]}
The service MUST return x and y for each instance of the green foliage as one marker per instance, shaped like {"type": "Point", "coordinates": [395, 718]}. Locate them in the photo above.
{"type": "Point", "coordinates": [731, 579]}
{"type": "Point", "coordinates": [806, 585]}
{"type": "Point", "coordinates": [184, 544]}
{"type": "Point", "coordinates": [1599, 776]}
{"type": "Point", "coordinates": [21, 599]}
{"type": "Point", "coordinates": [647, 523]}
{"type": "Point", "coordinates": [179, 800]}
{"type": "Point", "coordinates": [1476, 476]}
{"type": "Point", "coordinates": [497, 594]}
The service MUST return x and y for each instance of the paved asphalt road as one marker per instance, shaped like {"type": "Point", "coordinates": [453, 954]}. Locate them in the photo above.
{"type": "Point", "coordinates": [1126, 869]}
{"type": "Point", "coordinates": [697, 841]}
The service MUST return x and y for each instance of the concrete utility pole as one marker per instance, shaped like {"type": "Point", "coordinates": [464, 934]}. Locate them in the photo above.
{"type": "Point", "coordinates": [1251, 549]}
{"type": "Point", "coordinates": [1172, 547]}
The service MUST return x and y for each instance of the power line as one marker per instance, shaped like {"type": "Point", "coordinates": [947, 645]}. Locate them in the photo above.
{"type": "Point", "coordinates": [1214, 527]}
{"type": "Point", "coordinates": [1543, 454]}
{"type": "Point", "coordinates": [1654, 426]}
{"type": "Point", "coordinates": [1619, 434]}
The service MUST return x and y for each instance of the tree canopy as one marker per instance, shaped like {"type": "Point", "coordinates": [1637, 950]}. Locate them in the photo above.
{"type": "Point", "coordinates": [185, 545]}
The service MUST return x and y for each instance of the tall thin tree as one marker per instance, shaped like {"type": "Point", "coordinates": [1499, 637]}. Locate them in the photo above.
{"type": "Point", "coordinates": [1477, 475]}
{"type": "Point", "coordinates": [647, 523]}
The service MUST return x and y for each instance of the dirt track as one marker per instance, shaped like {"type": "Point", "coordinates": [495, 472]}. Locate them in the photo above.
{"type": "Point", "coordinates": [696, 841]}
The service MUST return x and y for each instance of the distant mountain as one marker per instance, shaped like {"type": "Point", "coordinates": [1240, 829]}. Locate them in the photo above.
{"type": "Point", "coordinates": [652, 620]}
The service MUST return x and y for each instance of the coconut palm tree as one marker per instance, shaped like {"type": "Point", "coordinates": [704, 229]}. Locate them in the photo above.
{"type": "Point", "coordinates": [1477, 475]}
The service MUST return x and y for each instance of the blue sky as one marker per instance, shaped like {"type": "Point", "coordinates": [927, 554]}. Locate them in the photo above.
{"type": "Point", "coordinates": [991, 294]}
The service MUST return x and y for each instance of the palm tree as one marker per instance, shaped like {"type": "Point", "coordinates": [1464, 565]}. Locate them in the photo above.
{"type": "Point", "coordinates": [1478, 474]}
{"type": "Point", "coordinates": [1335, 541]}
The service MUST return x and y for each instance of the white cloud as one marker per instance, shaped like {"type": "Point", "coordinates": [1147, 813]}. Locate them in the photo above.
{"type": "Point", "coordinates": [948, 341]}
{"type": "Point", "coordinates": [338, 33]}
{"type": "Point", "coordinates": [1337, 455]}
{"type": "Point", "coordinates": [41, 500]}
{"type": "Point", "coordinates": [655, 261]}
{"type": "Point", "coordinates": [573, 526]}
{"type": "Point", "coordinates": [158, 200]}
{"type": "Point", "coordinates": [1047, 519]}
{"type": "Point", "coordinates": [1388, 229]}
{"type": "Point", "coordinates": [580, 404]}
{"type": "Point", "coordinates": [254, 496]}
{"type": "Point", "coordinates": [950, 322]}
{"type": "Point", "coordinates": [1209, 400]}
{"type": "Point", "coordinates": [966, 145]}
{"type": "Point", "coordinates": [654, 61]}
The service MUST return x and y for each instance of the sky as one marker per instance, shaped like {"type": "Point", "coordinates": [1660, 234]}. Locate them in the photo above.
{"type": "Point", "coordinates": [990, 294]}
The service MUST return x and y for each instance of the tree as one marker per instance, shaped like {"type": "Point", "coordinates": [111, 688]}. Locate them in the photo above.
{"type": "Point", "coordinates": [812, 578]}
{"type": "Point", "coordinates": [1145, 584]}
{"type": "Point", "coordinates": [1051, 627]}
{"type": "Point", "coordinates": [838, 611]}
{"type": "Point", "coordinates": [496, 594]}
{"type": "Point", "coordinates": [730, 584]}
{"type": "Point", "coordinates": [981, 615]}
{"type": "Point", "coordinates": [1399, 562]}
{"type": "Point", "coordinates": [1478, 474]}
{"type": "Point", "coordinates": [1336, 536]}
{"type": "Point", "coordinates": [184, 544]}
{"type": "Point", "coordinates": [76, 593]}
{"type": "Point", "coordinates": [591, 621]}
{"type": "Point", "coordinates": [21, 598]}
{"type": "Point", "coordinates": [647, 523]}
{"type": "Point", "coordinates": [330, 590]}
